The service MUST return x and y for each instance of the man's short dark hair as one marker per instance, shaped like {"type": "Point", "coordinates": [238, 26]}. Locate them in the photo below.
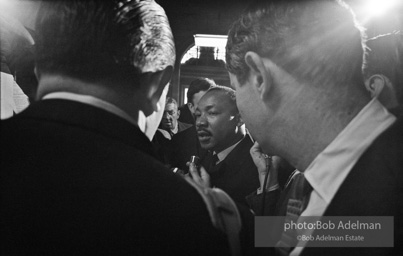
{"type": "Point", "coordinates": [170, 100]}
{"type": "Point", "coordinates": [385, 56]}
{"type": "Point", "coordinates": [315, 41]}
{"type": "Point", "coordinates": [96, 40]}
{"type": "Point", "coordinates": [198, 85]}
{"type": "Point", "coordinates": [229, 93]}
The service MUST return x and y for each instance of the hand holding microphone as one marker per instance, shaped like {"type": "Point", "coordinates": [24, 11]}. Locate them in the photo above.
{"type": "Point", "coordinates": [198, 173]}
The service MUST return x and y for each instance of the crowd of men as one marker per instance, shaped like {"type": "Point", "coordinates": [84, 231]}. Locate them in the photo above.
{"type": "Point", "coordinates": [88, 168]}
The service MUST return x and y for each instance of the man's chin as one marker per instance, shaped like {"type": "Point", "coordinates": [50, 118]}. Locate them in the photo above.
{"type": "Point", "coordinates": [206, 144]}
{"type": "Point", "coordinates": [167, 126]}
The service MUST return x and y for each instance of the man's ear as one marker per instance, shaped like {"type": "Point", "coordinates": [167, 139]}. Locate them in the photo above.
{"type": "Point", "coordinates": [153, 85]}
{"type": "Point", "coordinates": [375, 84]}
{"type": "Point", "coordinates": [179, 113]}
{"type": "Point", "coordinates": [162, 101]}
{"type": "Point", "coordinates": [191, 107]}
{"type": "Point", "coordinates": [259, 75]}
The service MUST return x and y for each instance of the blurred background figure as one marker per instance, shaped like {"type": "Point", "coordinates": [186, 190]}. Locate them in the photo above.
{"type": "Point", "coordinates": [197, 89]}
{"type": "Point", "coordinates": [383, 70]}
{"type": "Point", "coordinates": [169, 128]}
{"type": "Point", "coordinates": [169, 122]}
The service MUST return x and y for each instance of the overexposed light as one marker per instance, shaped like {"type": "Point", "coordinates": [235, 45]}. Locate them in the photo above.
{"type": "Point", "coordinates": [219, 53]}
{"type": "Point", "coordinates": [6, 6]}
{"type": "Point", "coordinates": [210, 40]}
{"type": "Point", "coordinates": [24, 11]}
{"type": "Point", "coordinates": [191, 53]}
{"type": "Point", "coordinates": [203, 40]}
{"type": "Point", "coordinates": [185, 92]}
{"type": "Point", "coordinates": [379, 7]}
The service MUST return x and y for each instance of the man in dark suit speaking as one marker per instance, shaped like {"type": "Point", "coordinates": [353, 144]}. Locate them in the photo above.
{"type": "Point", "coordinates": [78, 175]}
{"type": "Point", "coordinates": [221, 131]}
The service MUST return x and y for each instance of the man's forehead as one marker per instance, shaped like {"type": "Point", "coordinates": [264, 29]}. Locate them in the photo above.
{"type": "Point", "coordinates": [170, 106]}
{"type": "Point", "coordinates": [213, 99]}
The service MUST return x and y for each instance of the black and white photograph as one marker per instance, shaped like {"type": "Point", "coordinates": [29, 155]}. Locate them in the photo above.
{"type": "Point", "coordinates": [201, 127]}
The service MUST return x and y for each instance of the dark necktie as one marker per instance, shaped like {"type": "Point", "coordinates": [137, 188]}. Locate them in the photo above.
{"type": "Point", "coordinates": [213, 163]}
{"type": "Point", "coordinates": [298, 197]}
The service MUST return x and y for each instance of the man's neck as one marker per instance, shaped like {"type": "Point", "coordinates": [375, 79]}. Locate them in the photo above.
{"type": "Point", "coordinates": [58, 83]}
{"type": "Point", "coordinates": [234, 140]}
{"type": "Point", "coordinates": [313, 127]}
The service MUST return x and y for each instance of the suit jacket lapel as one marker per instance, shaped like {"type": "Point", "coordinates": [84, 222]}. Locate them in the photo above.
{"type": "Point", "coordinates": [239, 154]}
{"type": "Point", "coordinates": [233, 159]}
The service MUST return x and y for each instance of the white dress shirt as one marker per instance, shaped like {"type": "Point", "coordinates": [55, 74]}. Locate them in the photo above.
{"type": "Point", "coordinates": [329, 169]}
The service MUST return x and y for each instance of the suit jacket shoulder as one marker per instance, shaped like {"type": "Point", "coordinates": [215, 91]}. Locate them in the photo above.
{"type": "Point", "coordinates": [183, 126]}
{"type": "Point", "coordinates": [78, 180]}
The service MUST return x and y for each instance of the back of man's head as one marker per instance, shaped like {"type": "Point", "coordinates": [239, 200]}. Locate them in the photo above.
{"type": "Point", "coordinates": [97, 40]}
{"type": "Point", "coordinates": [198, 85]}
{"type": "Point", "coordinates": [385, 57]}
{"type": "Point", "coordinates": [317, 42]}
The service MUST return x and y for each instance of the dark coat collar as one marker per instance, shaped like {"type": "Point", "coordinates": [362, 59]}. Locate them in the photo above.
{"type": "Point", "coordinates": [90, 118]}
{"type": "Point", "coordinates": [183, 126]}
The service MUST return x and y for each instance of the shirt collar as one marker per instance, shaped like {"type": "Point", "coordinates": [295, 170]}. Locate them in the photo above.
{"type": "Point", "coordinates": [96, 102]}
{"type": "Point", "coordinates": [223, 154]}
{"type": "Point", "coordinates": [329, 169]}
{"type": "Point", "coordinates": [175, 130]}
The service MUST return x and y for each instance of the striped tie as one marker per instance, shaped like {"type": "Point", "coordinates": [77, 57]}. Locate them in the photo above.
{"type": "Point", "coordinates": [299, 194]}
